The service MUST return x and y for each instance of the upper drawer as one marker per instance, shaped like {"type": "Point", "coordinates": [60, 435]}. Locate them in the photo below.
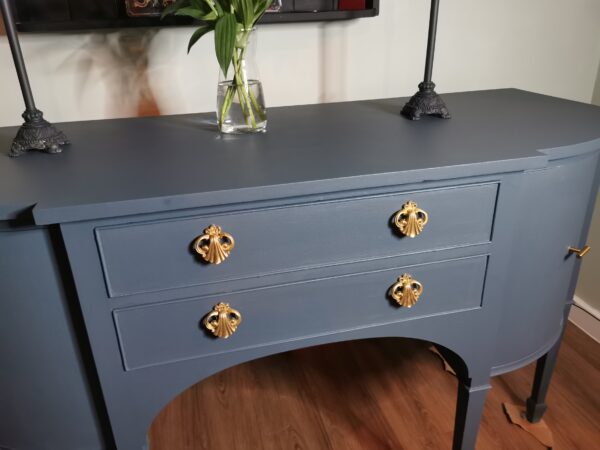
{"type": "Point", "coordinates": [159, 255]}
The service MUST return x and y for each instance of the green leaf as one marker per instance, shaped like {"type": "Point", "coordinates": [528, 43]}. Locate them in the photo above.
{"type": "Point", "coordinates": [258, 5]}
{"type": "Point", "coordinates": [225, 31]}
{"type": "Point", "coordinates": [215, 6]}
{"type": "Point", "coordinates": [174, 7]}
{"type": "Point", "coordinates": [201, 6]}
{"type": "Point", "coordinates": [260, 8]}
{"type": "Point", "coordinates": [237, 10]}
{"type": "Point", "coordinates": [201, 31]}
{"type": "Point", "coordinates": [210, 17]}
{"type": "Point", "coordinates": [226, 4]}
{"type": "Point", "coordinates": [247, 7]}
{"type": "Point", "coordinates": [190, 12]}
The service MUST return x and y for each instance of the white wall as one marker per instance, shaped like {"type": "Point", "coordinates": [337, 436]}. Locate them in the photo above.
{"type": "Point", "coordinates": [546, 46]}
{"type": "Point", "coordinates": [596, 98]}
{"type": "Point", "coordinates": [588, 287]}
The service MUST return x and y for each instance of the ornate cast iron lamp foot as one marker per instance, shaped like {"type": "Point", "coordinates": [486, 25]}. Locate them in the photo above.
{"type": "Point", "coordinates": [36, 133]}
{"type": "Point", "coordinates": [427, 101]}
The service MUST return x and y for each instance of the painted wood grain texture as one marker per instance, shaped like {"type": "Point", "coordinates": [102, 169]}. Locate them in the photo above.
{"type": "Point", "coordinates": [375, 394]}
{"type": "Point", "coordinates": [519, 130]}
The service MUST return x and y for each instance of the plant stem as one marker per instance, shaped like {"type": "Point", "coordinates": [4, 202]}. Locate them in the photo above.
{"type": "Point", "coordinates": [227, 101]}
{"type": "Point", "coordinates": [259, 110]}
{"type": "Point", "coordinates": [240, 86]}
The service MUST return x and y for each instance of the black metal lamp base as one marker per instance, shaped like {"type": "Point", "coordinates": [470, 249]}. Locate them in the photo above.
{"type": "Point", "coordinates": [37, 134]}
{"type": "Point", "coordinates": [425, 102]}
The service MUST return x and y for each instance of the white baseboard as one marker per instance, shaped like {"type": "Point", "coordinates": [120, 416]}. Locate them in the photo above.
{"type": "Point", "coordinates": [586, 317]}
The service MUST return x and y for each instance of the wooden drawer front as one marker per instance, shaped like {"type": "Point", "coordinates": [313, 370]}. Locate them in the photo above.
{"type": "Point", "coordinates": [173, 331]}
{"type": "Point", "coordinates": [157, 256]}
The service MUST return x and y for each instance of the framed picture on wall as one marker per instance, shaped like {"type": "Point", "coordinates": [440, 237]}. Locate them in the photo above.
{"type": "Point", "coordinates": [275, 6]}
{"type": "Point", "coordinates": [62, 15]}
{"type": "Point", "coordinates": [141, 8]}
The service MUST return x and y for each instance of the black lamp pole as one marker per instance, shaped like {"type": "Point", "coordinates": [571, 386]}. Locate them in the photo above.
{"type": "Point", "coordinates": [427, 101]}
{"type": "Point", "coordinates": [36, 133]}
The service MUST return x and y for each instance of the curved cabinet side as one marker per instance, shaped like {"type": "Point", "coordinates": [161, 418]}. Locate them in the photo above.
{"type": "Point", "coordinates": [551, 215]}
{"type": "Point", "coordinates": [46, 401]}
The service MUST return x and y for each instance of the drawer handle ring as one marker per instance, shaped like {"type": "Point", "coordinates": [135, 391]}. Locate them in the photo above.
{"type": "Point", "coordinates": [406, 291]}
{"type": "Point", "coordinates": [222, 321]}
{"type": "Point", "coordinates": [580, 252]}
{"type": "Point", "coordinates": [411, 219]}
{"type": "Point", "coordinates": [214, 245]}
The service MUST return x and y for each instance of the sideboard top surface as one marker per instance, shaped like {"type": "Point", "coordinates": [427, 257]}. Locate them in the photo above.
{"type": "Point", "coordinates": [129, 166]}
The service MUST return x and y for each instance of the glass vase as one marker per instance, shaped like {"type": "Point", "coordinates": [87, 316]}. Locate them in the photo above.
{"type": "Point", "coordinates": [240, 99]}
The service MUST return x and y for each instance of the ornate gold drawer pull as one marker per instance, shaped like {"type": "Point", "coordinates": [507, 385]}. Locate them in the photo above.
{"type": "Point", "coordinates": [580, 252]}
{"type": "Point", "coordinates": [406, 291]}
{"type": "Point", "coordinates": [222, 321]}
{"type": "Point", "coordinates": [214, 245]}
{"type": "Point", "coordinates": [411, 220]}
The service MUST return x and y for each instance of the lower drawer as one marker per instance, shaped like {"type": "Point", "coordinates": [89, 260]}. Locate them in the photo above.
{"type": "Point", "coordinates": [174, 331]}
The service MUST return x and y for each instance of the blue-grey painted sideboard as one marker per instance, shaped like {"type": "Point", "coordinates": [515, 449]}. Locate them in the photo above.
{"type": "Point", "coordinates": [109, 282]}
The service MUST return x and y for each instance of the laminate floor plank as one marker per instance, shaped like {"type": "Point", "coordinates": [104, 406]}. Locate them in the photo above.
{"type": "Point", "coordinates": [359, 425]}
{"type": "Point", "coordinates": [284, 426]}
{"type": "Point", "coordinates": [374, 394]}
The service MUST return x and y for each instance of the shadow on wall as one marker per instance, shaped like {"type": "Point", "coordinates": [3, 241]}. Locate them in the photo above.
{"type": "Point", "coordinates": [121, 61]}
{"type": "Point", "coordinates": [333, 61]}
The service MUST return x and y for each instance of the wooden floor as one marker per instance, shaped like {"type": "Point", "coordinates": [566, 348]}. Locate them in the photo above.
{"type": "Point", "coordinates": [374, 394]}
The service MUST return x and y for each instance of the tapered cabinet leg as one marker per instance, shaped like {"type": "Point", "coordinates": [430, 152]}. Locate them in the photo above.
{"type": "Point", "coordinates": [536, 404]}
{"type": "Point", "coordinates": [469, 408]}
